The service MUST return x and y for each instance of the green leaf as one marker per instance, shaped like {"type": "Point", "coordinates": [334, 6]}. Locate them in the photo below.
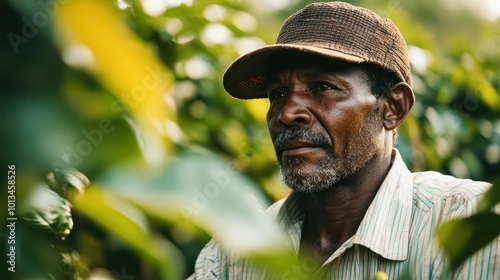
{"type": "Point", "coordinates": [212, 194]}
{"type": "Point", "coordinates": [47, 210]}
{"type": "Point", "coordinates": [461, 238]}
{"type": "Point", "coordinates": [67, 181]}
{"type": "Point", "coordinates": [117, 217]}
{"type": "Point", "coordinates": [490, 199]}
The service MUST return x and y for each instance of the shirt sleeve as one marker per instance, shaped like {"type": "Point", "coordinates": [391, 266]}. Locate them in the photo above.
{"type": "Point", "coordinates": [485, 263]}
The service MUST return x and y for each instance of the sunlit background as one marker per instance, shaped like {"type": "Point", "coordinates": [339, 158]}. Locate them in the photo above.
{"type": "Point", "coordinates": [128, 94]}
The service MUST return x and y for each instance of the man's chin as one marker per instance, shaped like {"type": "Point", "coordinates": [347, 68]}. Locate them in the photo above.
{"type": "Point", "coordinates": [300, 181]}
{"type": "Point", "coordinates": [303, 166]}
{"type": "Point", "coordinates": [307, 189]}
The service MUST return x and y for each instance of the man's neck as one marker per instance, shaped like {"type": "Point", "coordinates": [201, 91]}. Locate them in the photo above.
{"type": "Point", "coordinates": [333, 216]}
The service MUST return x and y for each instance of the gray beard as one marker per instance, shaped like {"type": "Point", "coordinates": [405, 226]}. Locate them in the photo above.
{"type": "Point", "coordinates": [322, 179]}
{"type": "Point", "coordinates": [330, 171]}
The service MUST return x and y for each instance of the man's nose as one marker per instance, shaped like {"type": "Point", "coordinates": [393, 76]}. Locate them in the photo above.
{"type": "Point", "coordinates": [294, 110]}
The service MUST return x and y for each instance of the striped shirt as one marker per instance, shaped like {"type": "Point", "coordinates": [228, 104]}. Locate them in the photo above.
{"type": "Point", "coordinates": [397, 234]}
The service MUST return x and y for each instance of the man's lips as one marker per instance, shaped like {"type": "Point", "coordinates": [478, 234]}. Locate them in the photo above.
{"type": "Point", "coordinates": [297, 148]}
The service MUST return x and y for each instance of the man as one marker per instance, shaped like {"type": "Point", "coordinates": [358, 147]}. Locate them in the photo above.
{"type": "Point", "coordinates": [339, 84]}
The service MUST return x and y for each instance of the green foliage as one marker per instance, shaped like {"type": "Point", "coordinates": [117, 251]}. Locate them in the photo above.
{"type": "Point", "coordinates": [199, 188]}
{"type": "Point", "coordinates": [462, 238]}
{"type": "Point", "coordinates": [50, 212]}
{"type": "Point", "coordinates": [474, 232]}
{"type": "Point", "coordinates": [116, 217]}
{"type": "Point", "coordinates": [71, 95]}
{"type": "Point", "coordinates": [491, 198]}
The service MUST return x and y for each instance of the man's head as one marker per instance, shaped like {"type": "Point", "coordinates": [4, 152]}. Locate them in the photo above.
{"type": "Point", "coordinates": [338, 79]}
{"type": "Point", "coordinates": [326, 121]}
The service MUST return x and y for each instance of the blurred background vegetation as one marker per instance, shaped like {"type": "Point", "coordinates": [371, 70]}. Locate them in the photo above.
{"type": "Point", "coordinates": [128, 94]}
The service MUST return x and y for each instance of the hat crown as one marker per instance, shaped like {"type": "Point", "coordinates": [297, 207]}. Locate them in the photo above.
{"type": "Point", "coordinates": [335, 30]}
{"type": "Point", "coordinates": [351, 30]}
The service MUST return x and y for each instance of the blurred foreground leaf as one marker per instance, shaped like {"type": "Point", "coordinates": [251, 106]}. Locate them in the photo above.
{"type": "Point", "coordinates": [490, 199]}
{"type": "Point", "coordinates": [461, 238]}
{"type": "Point", "coordinates": [48, 211]}
{"type": "Point", "coordinates": [214, 196]}
{"type": "Point", "coordinates": [114, 215]}
{"type": "Point", "coordinates": [125, 65]}
{"type": "Point", "coordinates": [67, 182]}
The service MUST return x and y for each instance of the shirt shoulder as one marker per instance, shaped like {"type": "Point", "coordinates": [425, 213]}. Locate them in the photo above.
{"type": "Point", "coordinates": [431, 189]}
{"type": "Point", "coordinates": [274, 209]}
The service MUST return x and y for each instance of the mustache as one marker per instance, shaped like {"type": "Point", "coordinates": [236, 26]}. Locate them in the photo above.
{"type": "Point", "coordinates": [301, 133]}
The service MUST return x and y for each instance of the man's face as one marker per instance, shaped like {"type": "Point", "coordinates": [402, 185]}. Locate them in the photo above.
{"type": "Point", "coordinates": [323, 120]}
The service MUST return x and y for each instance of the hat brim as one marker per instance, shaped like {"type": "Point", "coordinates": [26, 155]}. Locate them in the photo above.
{"type": "Point", "coordinates": [245, 77]}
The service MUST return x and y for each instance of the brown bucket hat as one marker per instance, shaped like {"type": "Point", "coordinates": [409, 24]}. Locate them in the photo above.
{"type": "Point", "coordinates": [333, 29]}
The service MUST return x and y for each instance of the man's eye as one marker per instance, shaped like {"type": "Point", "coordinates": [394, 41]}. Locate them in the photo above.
{"type": "Point", "coordinates": [324, 86]}
{"type": "Point", "coordinates": [277, 93]}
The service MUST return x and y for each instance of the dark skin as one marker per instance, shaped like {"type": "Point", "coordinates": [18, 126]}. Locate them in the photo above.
{"type": "Point", "coordinates": [335, 100]}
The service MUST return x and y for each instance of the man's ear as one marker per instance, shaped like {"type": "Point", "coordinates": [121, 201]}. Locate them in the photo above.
{"type": "Point", "coordinates": [398, 105]}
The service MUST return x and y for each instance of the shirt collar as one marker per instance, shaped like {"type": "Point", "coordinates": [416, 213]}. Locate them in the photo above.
{"type": "Point", "coordinates": [386, 225]}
